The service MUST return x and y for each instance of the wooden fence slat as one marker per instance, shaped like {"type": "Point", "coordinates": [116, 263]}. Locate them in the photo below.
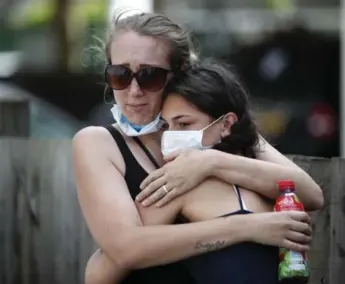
{"type": "Point", "coordinates": [337, 223]}
{"type": "Point", "coordinates": [321, 172]}
{"type": "Point", "coordinates": [7, 215]}
{"type": "Point", "coordinates": [44, 235]}
{"type": "Point", "coordinates": [19, 150]}
{"type": "Point", "coordinates": [66, 225]}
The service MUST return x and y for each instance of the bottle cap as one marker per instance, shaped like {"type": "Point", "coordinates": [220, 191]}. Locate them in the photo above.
{"type": "Point", "coordinates": [286, 184]}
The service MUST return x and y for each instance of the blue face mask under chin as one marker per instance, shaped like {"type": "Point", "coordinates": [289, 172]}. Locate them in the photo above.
{"type": "Point", "coordinates": [131, 129]}
{"type": "Point", "coordinates": [136, 127]}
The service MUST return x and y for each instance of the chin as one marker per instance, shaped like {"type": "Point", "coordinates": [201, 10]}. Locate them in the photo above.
{"type": "Point", "coordinates": [140, 117]}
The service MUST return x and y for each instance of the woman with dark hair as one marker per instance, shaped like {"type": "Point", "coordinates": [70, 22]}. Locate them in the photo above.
{"type": "Point", "coordinates": [144, 51]}
{"type": "Point", "coordinates": [207, 107]}
{"type": "Point", "coordinates": [212, 88]}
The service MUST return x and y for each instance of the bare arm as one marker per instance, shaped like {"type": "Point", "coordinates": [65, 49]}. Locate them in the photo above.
{"type": "Point", "coordinates": [116, 226]}
{"type": "Point", "coordinates": [113, 219]}
{"type": "Point", "coordinates": [261, 175]}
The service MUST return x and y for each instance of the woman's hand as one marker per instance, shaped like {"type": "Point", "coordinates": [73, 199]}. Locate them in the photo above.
{"type": "Point", "coordinates": [289, 229]}
{"type": "Point", "coordinates": [185, 169]}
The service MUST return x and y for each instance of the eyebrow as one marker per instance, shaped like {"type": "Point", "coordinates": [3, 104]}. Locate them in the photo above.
{"type": "Point", "coordinates": [140, 65]}
{"type": "Point", "coordinates": [180, 116]}
{"type": "Point", "coordinates": [148, 65]}
{"type": "Point", "coordinates": [176, 117]}
{"type": "Point", "coordinates": [154, 65]}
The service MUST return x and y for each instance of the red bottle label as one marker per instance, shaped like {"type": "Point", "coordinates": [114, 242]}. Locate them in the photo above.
{"type": "Point", "coordinates": [288, 202]}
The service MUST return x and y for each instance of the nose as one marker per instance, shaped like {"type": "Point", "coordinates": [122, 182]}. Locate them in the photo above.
{"type": "Point", "coordinates": [134, 89]}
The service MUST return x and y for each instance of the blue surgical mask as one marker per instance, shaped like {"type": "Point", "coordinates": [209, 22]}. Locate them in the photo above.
{"type": "Point", "coordinates": [176, 140]}
{"type": "Point", "coordinates": [131, 129]}
{"type": "Point", "coordinates": [137, 127]}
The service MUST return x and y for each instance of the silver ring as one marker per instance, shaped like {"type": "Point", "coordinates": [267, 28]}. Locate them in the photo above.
{"type": "Point", "coordinates": [165, 189]}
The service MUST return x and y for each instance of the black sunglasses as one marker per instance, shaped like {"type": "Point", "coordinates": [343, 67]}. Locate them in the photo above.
{"type": "Point", "coordinates": [150, 78]}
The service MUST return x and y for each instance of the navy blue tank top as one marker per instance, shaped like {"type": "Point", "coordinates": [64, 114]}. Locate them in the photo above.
{"type": "Point", "coordinates": [243, 263]}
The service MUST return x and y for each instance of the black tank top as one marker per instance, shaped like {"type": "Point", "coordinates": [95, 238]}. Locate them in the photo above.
{"type": "Point", "coordinates": [243, 263]}
{"type": "Point", "coordinates": [173, 273]}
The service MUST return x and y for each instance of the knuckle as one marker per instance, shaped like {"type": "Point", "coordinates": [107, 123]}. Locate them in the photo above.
{"type": "Point", "coordinates": [308, 239]}
{"type": "Point", "coordinates": [142, 195]}
{"type": "Point", "coordinates": [167, 175]}
{"type": "Point", "coordinates": [165, 200]}
{"type": "Point", "coordinates": [173, 193]}
{"type": "Point", "coordinates": [157, 195]}
{"type": "Point", "coordinates": [160, 195]}
{"type": "Point", "coordinates": [148, 190]}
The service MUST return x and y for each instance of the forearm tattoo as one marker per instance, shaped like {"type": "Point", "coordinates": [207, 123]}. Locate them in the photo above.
{"type": "Point", "coordinates": [208, 247]}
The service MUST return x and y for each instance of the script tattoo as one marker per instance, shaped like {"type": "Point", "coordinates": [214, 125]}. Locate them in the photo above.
{"type": "Point", "coordinates": [208, 247]}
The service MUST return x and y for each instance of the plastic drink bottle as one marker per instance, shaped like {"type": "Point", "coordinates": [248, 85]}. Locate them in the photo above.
{"type": "Point", "coordinates": [293, 266]}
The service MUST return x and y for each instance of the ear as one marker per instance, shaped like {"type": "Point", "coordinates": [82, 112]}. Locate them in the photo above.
{"type": "Point", "coordinates": [228, 121]}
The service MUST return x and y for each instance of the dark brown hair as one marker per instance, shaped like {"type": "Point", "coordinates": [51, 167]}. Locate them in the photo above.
{"type": "Point", "coordinates": [213, 88]}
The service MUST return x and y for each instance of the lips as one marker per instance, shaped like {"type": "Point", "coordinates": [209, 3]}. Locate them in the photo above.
{"type": "Point", "coordinates": [137, 107]}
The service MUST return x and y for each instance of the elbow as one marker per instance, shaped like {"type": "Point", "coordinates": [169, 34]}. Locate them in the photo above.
{"type": "Point", "coordinates": [308, 191]}
{"type": "Point", "coordinates": [123, 258]}
{"type": "Point", "coordinates": [318, 200]}
{"type": "Point", "coordinates": [133, 258]}
{"type": "Point", "coordinates": [126, 250]}
{"type": "Point", "coordinates": [119, 254]}
{"type": "Point", "coordinates": [126, 255]}
{"type": "Point", "coordinates": [315, 201]}
{"type": "Point", "coordinates": [136, 256]}
{"type": "Point", "coordinates": [127, 260]}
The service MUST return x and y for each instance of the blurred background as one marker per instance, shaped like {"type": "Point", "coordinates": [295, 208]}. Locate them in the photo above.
{"type": "Point", "coordinates": [287, 52]}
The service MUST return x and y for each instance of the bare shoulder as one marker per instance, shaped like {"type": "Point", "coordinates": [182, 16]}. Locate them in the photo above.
{"type": "Point", "coordinates": [91, 135]}
{"type": "Point", "coordinates": [95, 142]}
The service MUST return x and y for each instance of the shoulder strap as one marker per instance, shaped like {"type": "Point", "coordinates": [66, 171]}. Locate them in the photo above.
{"type": "Point", "coordinates": [126, 152]}
{"type": "Point", "coordinates": [121, 143]}
{"type": "Point", "coordinates": [238, 193]}
{"type": "Point", "coordinates": [147, 152]}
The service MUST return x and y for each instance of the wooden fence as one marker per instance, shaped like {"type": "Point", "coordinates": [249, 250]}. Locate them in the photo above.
{"type": "Point", "coordinates": [43, 238]}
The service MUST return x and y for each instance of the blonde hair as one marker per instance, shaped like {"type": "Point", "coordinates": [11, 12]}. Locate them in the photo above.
{"type": "Point", "coordinates": [183, 51]}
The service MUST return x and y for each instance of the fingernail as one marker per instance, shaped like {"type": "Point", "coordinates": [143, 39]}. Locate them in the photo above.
{"type": "Point", "coordinates": [144, 203]}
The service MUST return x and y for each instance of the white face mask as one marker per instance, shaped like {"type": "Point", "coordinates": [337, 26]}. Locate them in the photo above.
{"type": "Point", "coordinates": [176, 140]}
{"type": "Point", "coordinates": [130, 129]}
